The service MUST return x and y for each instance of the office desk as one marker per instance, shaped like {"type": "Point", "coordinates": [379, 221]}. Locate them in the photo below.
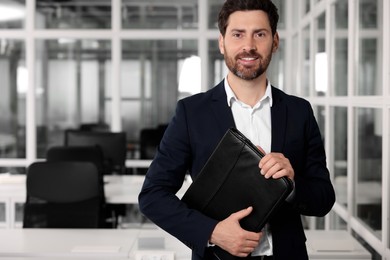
{"type": "Point", "coordinates": [84, 244]}
{"type": "Point", "coordinates": [169, 243]}
{"type": "Point", "coordinates": [329, 245]}
{"type": "Point", "coordinates": [69, 243]}
{"type": "Point", "coordinates": [124, 189]}
{"type": "Point", "coordinates": [119, 189]}
{"type": "Point", "coordinates": [125, 244]}
{"type": "Point", "coordinates": [334, 244]}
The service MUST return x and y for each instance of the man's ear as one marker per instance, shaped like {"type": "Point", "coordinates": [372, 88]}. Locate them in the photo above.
{"type": "Point", "coordinates": [220, 44]}
{"type": "Point", "coordinates": [275, 44]}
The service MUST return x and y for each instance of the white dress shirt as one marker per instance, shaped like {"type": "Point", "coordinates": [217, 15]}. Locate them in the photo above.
{"type": "Point", "coordinates": [255, 123]}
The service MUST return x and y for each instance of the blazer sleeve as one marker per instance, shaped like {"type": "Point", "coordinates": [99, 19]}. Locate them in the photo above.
{"type": "Point", "coordinates": [314, 192]}
{"type": "Point", "coordinates": [165, 177]}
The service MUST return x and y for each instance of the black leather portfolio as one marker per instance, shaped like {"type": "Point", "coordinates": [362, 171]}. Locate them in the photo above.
{"type": "Point", "coordinates": [231, 181]}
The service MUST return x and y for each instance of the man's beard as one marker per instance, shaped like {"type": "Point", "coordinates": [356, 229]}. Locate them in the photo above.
{"type": "Point", "coordinates": [245, 72]}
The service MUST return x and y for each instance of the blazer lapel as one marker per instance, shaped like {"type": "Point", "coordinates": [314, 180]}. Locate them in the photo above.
{"type": "Point", "coordinates": [279, 120]}
{"type": "Point", "coordinates": [222, 112]}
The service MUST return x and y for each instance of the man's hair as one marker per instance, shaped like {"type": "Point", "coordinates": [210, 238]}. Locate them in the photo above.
{"type": "Point", "coordinates": [231, 6]}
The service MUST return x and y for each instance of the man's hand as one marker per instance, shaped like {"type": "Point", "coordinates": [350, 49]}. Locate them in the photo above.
{"type": "Point", "coordinates": [229, 235]}
{"type": "Point", "coordinates": [275, 165]}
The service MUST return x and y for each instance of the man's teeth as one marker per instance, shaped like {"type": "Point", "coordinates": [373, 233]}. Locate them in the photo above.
{"type": "Point", "coordinates": [248, 58]}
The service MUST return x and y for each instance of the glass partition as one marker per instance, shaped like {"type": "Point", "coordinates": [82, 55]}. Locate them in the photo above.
{"type": "Point", "coordinates": [339, 152]}
{"type": "Point", "coordinates": [368, 163]}
{"type": "Point", "coordinates": [155, 75]}
{"type": "Point", "coordinates": [340, 70]}
{"type": "Point", "coordinates": [319, 113]}
{"type": "Point", "coordinates": [72, 82]}
{"type": "Point", "coordinates": [340, 8]}
{"type": "Point", "coordinates": [368, 73]}
{"type": "Point", "coordinates": [277, 68]}
{"type": "Point", "coordinates": [370, 48]}
{"type": "Point", "coordinates": [73, 14]}
{"type": "Point", "coordinates": [306, 6]}
{"type": "Point", "coordinates": [305, 69]}
{"type": "Point", "coordinates": [340, 52]}
{"type": "Point", "coordinates": [337, 222]}
{"type": "Point", "coordinates": [13, 88]}
{"type": "Point", "coordinates": [321, 59]}
{"type": "Point", "coordinates": [162, 14]}
{"type": "Point", "coordinates": [296, 10]}
{"type": "Point", "coordinates": [294, 88]}
{"type": "Point", "coordinates": [216, 63]}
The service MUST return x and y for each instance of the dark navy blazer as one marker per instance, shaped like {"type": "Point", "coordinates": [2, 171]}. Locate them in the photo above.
{"type": "Point", "coordinates": [199, 123]}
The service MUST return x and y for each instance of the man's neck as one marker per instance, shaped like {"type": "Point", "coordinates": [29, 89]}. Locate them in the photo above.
{"type": "Point", "coordinates": [248, 91]}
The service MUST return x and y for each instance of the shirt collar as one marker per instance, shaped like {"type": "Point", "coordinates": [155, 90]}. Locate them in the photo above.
{"type": "Point", "coordinates": [231, 96]}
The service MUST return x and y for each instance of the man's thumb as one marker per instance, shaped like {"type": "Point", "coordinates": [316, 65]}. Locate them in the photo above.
{"type": "Point", "coordinates": [243, 213]}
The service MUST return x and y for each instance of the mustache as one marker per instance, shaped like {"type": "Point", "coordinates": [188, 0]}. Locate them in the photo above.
{"type": "Point", "coordinates": [250, 54]}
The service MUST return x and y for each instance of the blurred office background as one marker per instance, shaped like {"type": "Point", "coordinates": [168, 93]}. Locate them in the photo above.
{"type": "Point", "coordinates": [121, 66]}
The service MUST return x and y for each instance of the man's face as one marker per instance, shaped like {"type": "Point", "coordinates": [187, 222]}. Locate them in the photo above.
{"type": "Point", "coordinates": [248, 44]}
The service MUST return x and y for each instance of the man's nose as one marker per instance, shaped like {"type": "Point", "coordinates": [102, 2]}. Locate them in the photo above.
{"type": "Point", "coordinates": [249, 44]}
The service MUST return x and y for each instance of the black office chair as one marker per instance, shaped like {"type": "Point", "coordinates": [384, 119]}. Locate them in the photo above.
{"type": "Point", "coordinates": [94, 127]}
{"type": "Point", "coordinates": [112, 144]}
{"type": "Point", "coordinates": [93, 154]}
{"type": "Point", "coordinates": [63, 195]}
{"type": "Point", "coordinates": [149, 140]}
{"type": "Point", "coordinates": [114, 147]}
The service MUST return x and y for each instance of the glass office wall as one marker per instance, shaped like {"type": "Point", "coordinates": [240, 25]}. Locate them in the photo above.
{"type": "Point", "coordinates": [340, 52]}
{"type": "Point", "coordinates": [306, 63]}
{"type": "Point", "coordinates": [355, 97]}
{"type": "Point", "coordinates": [162, 14]}
{"type": "Point", "coordinates": [155, 74]}
{"type": "Point", "coordinates": [339, 153]}
{"type": "Point", "coordinates": [295, 70]}
{"type": "Point", "coordinates": [86, 14]}
{"type": "Point", "coordinates": [368, 164]}
{"type": "Point", "coordinates": [370, 39]}
{"type": "Point", "coordinates": [306, 6]}
{"type": "Point", "coordinates": [72, 88]}
{"type": "Point", "coordinates": [277, 69]}
{"type": "Point", "coordinates": [321, 58]}
{"type": "Point", "coordinates": [13, 90]}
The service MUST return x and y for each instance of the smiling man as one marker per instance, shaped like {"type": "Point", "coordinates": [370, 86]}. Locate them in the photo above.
{"type": "Point", "coordinates": [283, 126]}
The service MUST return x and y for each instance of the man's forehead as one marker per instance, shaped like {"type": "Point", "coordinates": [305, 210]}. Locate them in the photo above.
{"type": "Point", "coordinates": [253, 19]}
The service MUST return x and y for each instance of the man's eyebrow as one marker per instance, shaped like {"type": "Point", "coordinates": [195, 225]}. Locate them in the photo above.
{"type": "Point", "coordinates": [237, 30]}
{"type": "Point", "coordinates": [261, 30]}
{"type": "Point", "coordinates": [254, 31]}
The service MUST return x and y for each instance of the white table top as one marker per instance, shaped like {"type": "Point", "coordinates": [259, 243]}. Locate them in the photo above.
{"type": "Point", "coordinates": [129, 243]}
{"type": "Point", "coordinates": [119, 189]}
{"type": "Point", "coordinates": [97, 243]}
{"type": "Point", "coordinates": [334, 244]}
{"type": "Point", "coordinates": [170, 243]}
{"type": "Point", "coordinates": [124, 189]}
